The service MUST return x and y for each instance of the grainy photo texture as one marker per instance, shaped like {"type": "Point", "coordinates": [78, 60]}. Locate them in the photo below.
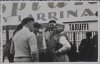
{"type": "Point", "coordinates": [49, 31]}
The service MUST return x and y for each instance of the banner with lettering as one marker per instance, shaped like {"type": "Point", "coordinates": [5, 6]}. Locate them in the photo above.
{"type": "Point", "coordinates": [42, 12]}
{"type": "Point", "coordinates": [81, 26]}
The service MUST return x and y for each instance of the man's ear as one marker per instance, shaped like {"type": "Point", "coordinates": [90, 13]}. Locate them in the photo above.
{"type": "Point", "coordinates": [28, 23]}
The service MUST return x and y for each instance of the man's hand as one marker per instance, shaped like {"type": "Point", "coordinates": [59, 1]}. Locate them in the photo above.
{"type": "Point", "coordinates": [35, 57]}
{"type": "Point", "coordinates": [57, 52]}
{"type": "Point", "coordinates": [47, 35]}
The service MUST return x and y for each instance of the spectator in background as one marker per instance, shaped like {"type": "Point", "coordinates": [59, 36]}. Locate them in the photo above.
{"type": "Point", "coordinates": [7, 53]}
{"type": "Point", "coordinates": [48, 32]}
{"type": "Point", "coordinates": [25, 42]}
{"type": "Point", "coordinates": [62, 45]}
{"type": "Point", "coordinates": [52, 24]}
{"type": "Point", "coordinates": [40, 42]}
{"type": "Point", "coordinates": [94, 48]}
{"type": "Point", "coordinates": [85, 47]}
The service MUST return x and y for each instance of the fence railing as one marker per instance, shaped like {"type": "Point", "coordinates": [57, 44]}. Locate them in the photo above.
{"type": "Point", "coordinates": [76, 37]}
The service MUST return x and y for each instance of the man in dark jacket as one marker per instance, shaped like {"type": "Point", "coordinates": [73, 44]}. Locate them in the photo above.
{"type": "Point", "coordinates": [7, 51]}
{"type": "Point", "coordinates": [84, 48]}
{"type": "Point", "coordinates": [40, 42]}
{"type": "Point", "coordinates": [94, 49]}
{"type": "Point", "coordinates": [48, 35]}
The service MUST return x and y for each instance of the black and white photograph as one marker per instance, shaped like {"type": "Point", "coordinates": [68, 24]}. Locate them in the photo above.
{"type": "Point", "coordinates": [49, 31]}
{"type": "Point", "coordinates": [0, 31]}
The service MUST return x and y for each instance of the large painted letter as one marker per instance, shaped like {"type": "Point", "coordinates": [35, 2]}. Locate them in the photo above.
{"type": "Point", "coordinates": [3, 8]}
{"type": "Point", "coordinates": [35, 6]}
{"type": "Point", "coordinates": [59, 4]}
{"type": "Point", "coordinates": [52, 15]}
{"type": "Point", "coordinates": [15, 8]}
{"type": "Point", "coordinates": [41, 16]}
{"type": "Point", "coordinates": [87, 12]}
{"type": "Point", "coordinates": [72, 13]}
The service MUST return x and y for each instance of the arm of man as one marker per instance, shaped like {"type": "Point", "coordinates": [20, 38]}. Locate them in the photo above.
{"type": "Point", "coordinates": [81, 45]}
{"type": "Point", "coordinates": [47, 35]}
{"type": "Point", "coordinates": [65, 43]}
{"type": "Point", "coordinates": [33, 48]}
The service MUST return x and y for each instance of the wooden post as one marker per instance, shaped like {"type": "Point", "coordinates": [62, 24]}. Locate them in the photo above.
{"type": "Point", "coordinates": [7, 39]}
{"type": "Point", "coordinates": [74, 43]}
{"type": "Point", "coordinates": [7, 34]}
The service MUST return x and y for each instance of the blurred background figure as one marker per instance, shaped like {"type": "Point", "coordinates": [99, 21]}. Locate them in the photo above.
{"type": "Point", "coordinates": [40, 42]}
{"type": "Point", "coordinates": [7, 53]}
{"type": "Point", "coordinates": [85, 47]}
{"type": "Point", "coordinates": [48, 34]}
{"type": "Point", "coordinates": [94, 48]}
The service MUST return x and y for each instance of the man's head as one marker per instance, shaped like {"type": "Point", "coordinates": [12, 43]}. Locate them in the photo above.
{"type": "Point", "coordinates": [59, 28]}
{"type": "Point", "coordinates": [88, 34]}
{"type": "Point", "coordinates": [28, 22]}
{"type": "Point", "coordinates": [52, 23]}
{"type": "Point", "coordinates": [37, 26]}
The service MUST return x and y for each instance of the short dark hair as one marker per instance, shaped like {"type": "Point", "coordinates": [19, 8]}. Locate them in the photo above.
{"type": "Point", "coordinates": [89, 34]}
{"type": "Point", "coordinates": [52, 21]}
{"type": "Point", "coordinates": [26, 20]}
{"type": "Point", "coordinates": [37, 25]}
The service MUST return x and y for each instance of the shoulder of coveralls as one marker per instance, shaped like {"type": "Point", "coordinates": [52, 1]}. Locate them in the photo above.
{"type": "Point", "coordinates": [31, 34]}
{"type": "Point", "coordinates": [28, 33]}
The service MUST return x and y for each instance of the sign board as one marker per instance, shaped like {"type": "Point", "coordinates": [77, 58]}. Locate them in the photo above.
{"type": "Point", "coordinates": [45, 11]}
{"type": "Point", "coordinates": [81, 26]}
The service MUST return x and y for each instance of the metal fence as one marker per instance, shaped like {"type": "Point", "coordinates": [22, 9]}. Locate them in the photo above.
{"type": "Point", "coordinates": [76, 37]}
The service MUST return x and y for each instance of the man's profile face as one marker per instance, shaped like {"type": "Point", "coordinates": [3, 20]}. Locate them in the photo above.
{"type": "Point", "coordinates": [30, 24]}
{"type": "Point", "coordinates": [60, 28]}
